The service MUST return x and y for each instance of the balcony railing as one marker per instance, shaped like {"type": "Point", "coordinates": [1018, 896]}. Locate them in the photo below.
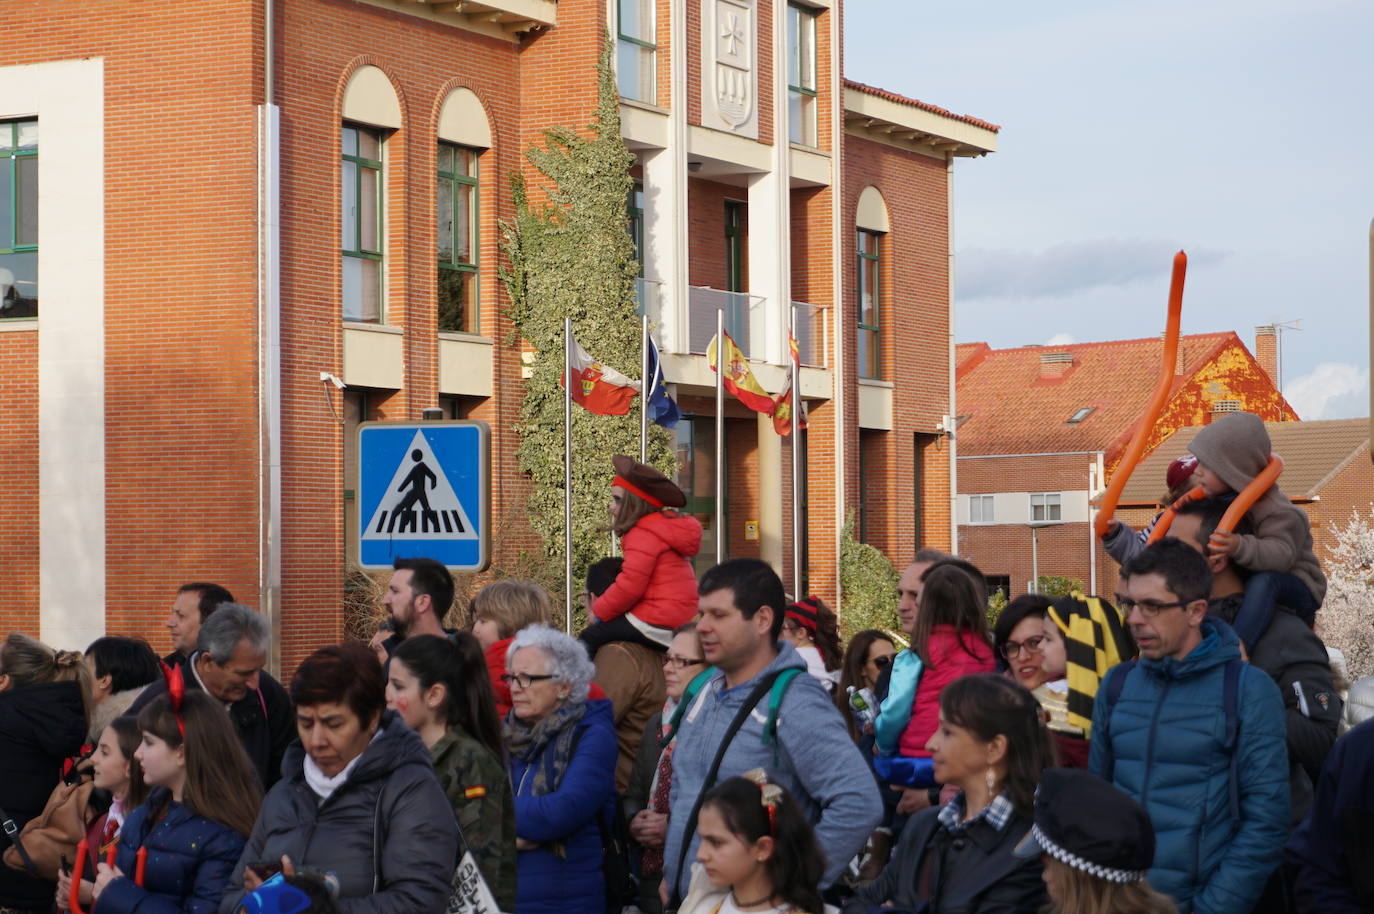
{"type": "Point", "coordinates": [745, 320]}
{"type": "Point", "coordinates": [813, 333]}
{"type": "Point", "coordinates": [649, 300]}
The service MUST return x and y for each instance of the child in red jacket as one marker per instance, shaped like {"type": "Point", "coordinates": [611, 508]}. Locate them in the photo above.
{"type": "Point", "coordinates": [656, 590]}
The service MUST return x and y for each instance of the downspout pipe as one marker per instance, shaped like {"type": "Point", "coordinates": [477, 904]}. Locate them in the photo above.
{"type": "Point", "coordinates": [269, 342]}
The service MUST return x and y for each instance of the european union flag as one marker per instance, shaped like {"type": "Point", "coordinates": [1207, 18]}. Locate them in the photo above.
{"type": "Point", "coordinates": [663, 409]}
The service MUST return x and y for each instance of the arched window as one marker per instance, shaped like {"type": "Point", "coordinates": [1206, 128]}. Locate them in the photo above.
{"type": "Point", "coordinates": [371, 111]}
{"type": "Point", "coordinates": [464, 134]}
{"type": "Point", "coordinates": [871, 224]}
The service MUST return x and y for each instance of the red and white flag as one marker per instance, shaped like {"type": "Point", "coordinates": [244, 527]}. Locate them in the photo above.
{"type": "Point", "coordinates": [597, 388]}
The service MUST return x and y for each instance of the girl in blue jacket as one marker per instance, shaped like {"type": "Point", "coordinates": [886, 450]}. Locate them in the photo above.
{"type": "Point", "coordinates": [177, 850]}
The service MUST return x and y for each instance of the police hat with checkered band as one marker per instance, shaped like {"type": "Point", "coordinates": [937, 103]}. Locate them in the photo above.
{"type": "Point", "coordinates": [1086, 823]}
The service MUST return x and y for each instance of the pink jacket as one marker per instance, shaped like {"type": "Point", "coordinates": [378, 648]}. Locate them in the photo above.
{"type": "Point", "coordinates": [949, 659]}
{"type": "Point", "coordinates": [656, 584]}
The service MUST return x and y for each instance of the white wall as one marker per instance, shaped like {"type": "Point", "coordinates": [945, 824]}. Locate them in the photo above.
{"type": "Point", "coordinates": [1014, 508]}
{"type": "Point", "coordinates": [68, 99]}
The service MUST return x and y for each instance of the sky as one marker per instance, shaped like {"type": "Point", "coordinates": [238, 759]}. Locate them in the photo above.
{"type": "Point", "coordinates": [1240, 132]}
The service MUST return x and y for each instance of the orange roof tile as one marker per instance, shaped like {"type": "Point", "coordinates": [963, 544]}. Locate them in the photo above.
{"type": "Point", "coordinates": [1011, 409]}
{"type": "Point", "coordinates": [917, 103]}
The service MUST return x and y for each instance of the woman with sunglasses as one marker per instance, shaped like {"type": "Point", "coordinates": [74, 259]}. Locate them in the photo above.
{"type": "Point", "coordinates": [645, 801]}
{"type": "Point", "coordinates": [562, 751]}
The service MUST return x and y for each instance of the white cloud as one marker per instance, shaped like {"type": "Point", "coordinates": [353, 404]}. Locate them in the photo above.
{"type": "Point", "coordinates": [1069, 267]}
{"type": "Point", "coordinates": [1334, 390]}
{"type": "Point", "coordinates": [1060, 339]}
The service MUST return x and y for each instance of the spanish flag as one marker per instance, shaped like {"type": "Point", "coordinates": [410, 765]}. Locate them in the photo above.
{"type": "Point", "coordinates": [598, 388]}
{"type": "Point", "coordinates": [739, 380]}
{"type": "Point", "coordinates": [782, 409]}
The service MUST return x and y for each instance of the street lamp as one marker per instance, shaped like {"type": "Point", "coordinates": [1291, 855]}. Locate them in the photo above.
{"type": "Point", "coordinates": [1035, 526]}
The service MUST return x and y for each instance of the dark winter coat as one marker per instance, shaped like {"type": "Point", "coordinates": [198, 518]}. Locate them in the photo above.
{"type": "Point", "coordinates": [1295, 658]}
{"type": "Point", "coordinates": [390, 818]}
{"type": "Point", "coordinates": [40, 726]}
{"type": "Point", "coordinates": [1166, 736]}
{"type": "Point", "coordinates": [190, 859]}
{"type": "Point", "coordinates": [971, 872]}
{"type": "Point", "coordinates": [656, 583]}
{"type": "Point", "coordinates": [1334, 847]}
{"type": "Point", "coordinates": [264, 720]}
{"type": "Point", "coordinates": [570, 883]}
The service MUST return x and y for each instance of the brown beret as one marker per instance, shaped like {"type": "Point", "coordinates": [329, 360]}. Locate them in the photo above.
{"type": "Point", "coordinates": [647, 483]}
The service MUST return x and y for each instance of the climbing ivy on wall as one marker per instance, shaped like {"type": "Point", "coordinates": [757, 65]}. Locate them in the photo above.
{"type": "Point", "coordinates": [569, 254]}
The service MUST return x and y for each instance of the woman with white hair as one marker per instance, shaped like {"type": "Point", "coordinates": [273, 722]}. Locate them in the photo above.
{"type": "Point", "coordinates": [562, 753]}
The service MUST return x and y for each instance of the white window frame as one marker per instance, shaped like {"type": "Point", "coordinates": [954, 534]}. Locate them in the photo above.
{"type": "Point", "coordinates": [1050, 505]}
{"type": "Point", "coordinates": [637, 54]}
{"type": "Point", "coordinates": [984, 505]}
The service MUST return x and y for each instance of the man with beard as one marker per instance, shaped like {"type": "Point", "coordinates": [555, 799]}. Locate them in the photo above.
{"type": "Point", "coordinates": [417, 598]}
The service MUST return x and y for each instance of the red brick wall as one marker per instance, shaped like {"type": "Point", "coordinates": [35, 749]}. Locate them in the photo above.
{"type": "Point", "coordinates": [19, 482]}
{"type": "Point", "coordinates": [706, 231]}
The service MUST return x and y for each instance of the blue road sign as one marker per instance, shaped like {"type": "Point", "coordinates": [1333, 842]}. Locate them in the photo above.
{"type": "Point", "coordinates": [424, 490]}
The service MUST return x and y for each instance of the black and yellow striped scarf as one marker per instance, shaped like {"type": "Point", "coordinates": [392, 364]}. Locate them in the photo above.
{"type": "Point", "coordinates": [1095, 640]}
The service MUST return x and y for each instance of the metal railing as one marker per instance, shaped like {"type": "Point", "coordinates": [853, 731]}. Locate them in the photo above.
{"type": "Point", "coordinates": [745, 320]}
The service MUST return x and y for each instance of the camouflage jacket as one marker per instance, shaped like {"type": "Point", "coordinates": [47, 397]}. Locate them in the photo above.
{"type": "Point", "coordinates": [479, 789]}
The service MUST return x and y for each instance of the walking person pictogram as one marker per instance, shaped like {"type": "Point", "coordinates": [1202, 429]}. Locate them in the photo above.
{"type": "Point", "coordinates": [417, 481]}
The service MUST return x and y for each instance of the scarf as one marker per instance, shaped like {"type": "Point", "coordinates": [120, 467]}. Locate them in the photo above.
{"type": "Point", "coordinates": [651, 864]}
{"type": "Point", "coordinates": [545, 746]}
{"type": "Point", "coordinates": [1095, 641]}
{"type": "Point", "coordinates": [323, 785]}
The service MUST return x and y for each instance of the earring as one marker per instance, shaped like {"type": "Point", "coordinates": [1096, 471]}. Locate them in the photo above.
{"type": "Point", "coordinates": [991, 780]}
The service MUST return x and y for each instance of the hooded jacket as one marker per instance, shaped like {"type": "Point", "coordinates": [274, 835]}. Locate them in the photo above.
{"type": "Point", "coordinates": [1236, 447]}
{"type": "Point", "coordinates": [40, 726]}
{"type": "Point", "coordinates": [263, 719]}
{"type": "Point", "coordinates": [189, 861]}
{"type": "Point", "coordinates": [1167, 736]}
{"type": "Point", "coordinates": [389, 818]}
{"type": "Point", "coordinates": [552, 881]}
{"type": "Point", "coordinates": [656, 584]}
{"type": "Point", "coordinates": [813, 757]}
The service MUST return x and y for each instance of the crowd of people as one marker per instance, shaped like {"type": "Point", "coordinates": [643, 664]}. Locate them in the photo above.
{"type": "Point", "coordinates": [712, 746]}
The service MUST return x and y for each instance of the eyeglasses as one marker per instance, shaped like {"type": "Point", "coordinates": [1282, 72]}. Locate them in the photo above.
{"type": "Point", "coordinates": [1150, 608]}
{"type": "Point", "coordinates": [524, 680]}
{"type": "Point", "coordinates": [680, 663]}
{"type": "Point", "coordinates": [1012, 649]}
{"type": "Point", "coordinates": [883, 662]}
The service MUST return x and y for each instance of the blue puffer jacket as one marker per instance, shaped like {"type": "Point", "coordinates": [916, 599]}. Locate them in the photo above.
{"type": "Point", "coordinates": [1167, 738]}
{"type": "Point", "coordinates": [190, 860]}
{"type": "Point", "coordinates": [546, 883]}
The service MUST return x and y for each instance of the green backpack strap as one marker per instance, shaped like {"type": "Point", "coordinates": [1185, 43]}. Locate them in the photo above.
{"type": "Point", "coordinates": [775, 695]}
{"type": "Point", "coordinates": [689, 695]}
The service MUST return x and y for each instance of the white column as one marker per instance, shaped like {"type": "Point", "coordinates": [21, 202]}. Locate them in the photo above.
{"type": "Point", "coordinates": [69, 99]}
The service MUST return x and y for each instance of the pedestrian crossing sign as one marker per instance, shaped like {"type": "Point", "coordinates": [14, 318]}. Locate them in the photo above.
{"type": "Point", "coordinates": [424, 490]}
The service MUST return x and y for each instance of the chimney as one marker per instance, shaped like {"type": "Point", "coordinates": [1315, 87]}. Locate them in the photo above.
{"type": "Point", "coordinates": [1267, 351]}
{"type": "Point", "coordinates": [1178, 356]}
{"type": "Point", "coordinates": [1054, 365]}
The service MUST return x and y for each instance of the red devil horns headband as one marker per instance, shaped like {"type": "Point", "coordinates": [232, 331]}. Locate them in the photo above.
{"type": "Point", "coordinates": [176, 692]}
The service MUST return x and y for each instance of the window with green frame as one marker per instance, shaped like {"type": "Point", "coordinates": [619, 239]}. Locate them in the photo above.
{"type": "Point", "coordinates": [636, 50]}
{"type": "Point", "coordinates": [870, 288]}
{"type": "Point", "coordinates": [458, 239]}
{"type": "Point", "coordinates": [19, 219]}
{"type": "Point", "coordinates": [634, 207]}
{"type": "Point", "coordinates": [360, 191]}
{"type": "Point", "coordinates": [801, 74]}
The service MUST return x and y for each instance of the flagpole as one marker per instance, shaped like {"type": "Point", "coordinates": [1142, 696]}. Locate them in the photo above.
{"type": "Point", "coordinates": [720, 436]}
{"type": "Point", "coordinates": [794, 366]}
{"type": "Point", "coordinates": [645, 388]}
{"type": "Point", "coordinates": [567, 474]}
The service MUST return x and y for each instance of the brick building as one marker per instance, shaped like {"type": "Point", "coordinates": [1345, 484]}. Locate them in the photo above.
{"type": "Point", "coordinates": [236, 206]}
{"type": "Point", "coordinates": [1041, 429]}
{"type": "Point", "coordinates": [1326, 469]}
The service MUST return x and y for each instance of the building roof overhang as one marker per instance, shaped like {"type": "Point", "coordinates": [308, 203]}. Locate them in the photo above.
{"type": "Point", "coordinates": [508, 19]}
{"type": "Point", "coordinates": [894, 119]}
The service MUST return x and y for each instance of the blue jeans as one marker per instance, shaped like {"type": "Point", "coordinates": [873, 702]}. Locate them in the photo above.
{"type": "Point", "coordinates": [1264, 591]}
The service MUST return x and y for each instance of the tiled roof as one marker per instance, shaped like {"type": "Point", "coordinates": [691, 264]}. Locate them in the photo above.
{"type": "Point", "coordinates": [1312, 452]}
{"type": "Point", "coordinates": [917, 103]}
{"type": "Point", "coordinates": [1012, 410]}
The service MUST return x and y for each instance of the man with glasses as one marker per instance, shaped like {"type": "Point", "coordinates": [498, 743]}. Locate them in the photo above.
{"type": "Point", "coordinates": [1196, 736]}
{"type": "Point", "coordinates": [630, 674]}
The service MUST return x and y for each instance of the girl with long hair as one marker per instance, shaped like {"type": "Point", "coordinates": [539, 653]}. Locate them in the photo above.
{"type": "Point", "coordinates": [814, 631]}
{"type": "Point", "coordinates": [44, 702]}
{"type": "Point", "coordinates": [870, 652]}
{"type": "Point", "coordinates": [758, 853]}
{"type": "Point", "coordinates": [194, 824]}
{"type": "Point", "coordinates": [440, 688]}
{"type": "Point", "coordinates": [992, 746]}
{"type": "Point", "coordinates": [1097, 845]}
{"type": "Point", "coordinates": [655, 591]}
{"type": "Point", "coordinates": [119, 789]}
